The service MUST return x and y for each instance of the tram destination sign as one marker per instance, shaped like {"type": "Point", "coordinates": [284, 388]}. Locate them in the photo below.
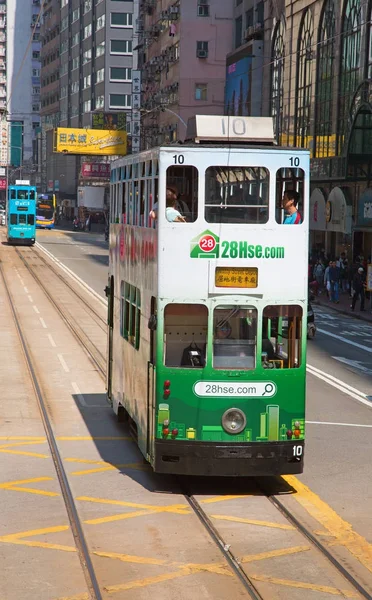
{"type": "Point", "coordinates": [208, 245]}
{"type": "Point", "coordinates": [236, 277]}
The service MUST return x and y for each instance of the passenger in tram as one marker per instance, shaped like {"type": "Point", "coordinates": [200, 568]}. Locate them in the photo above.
{"type": "Point", "coordinates": [289, 203]}
{"type": "Point", "coordinates": [172, 214]}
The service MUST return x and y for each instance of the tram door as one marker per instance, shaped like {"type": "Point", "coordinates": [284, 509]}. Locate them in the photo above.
{"type": "Point", "coordinates": [151, 379]}
{"type": "Point", "coordinates": [111, 297]}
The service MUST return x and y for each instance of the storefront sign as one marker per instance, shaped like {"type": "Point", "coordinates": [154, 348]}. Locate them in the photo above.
{"type": "Point", "coordinates": [3, 183]}
{"type": "Point", "coordinates": [109, 120]}
{"type": "Point", "coordinates": [90, 141]}
{"type": "Point", "coordinates": [4, 142]}
{"type": "Point", "coordinates": [364, 218]}
{"type": "Point", "coordinates": [93, 170]}
{"type": "Point", "coordinates": [317, 211]}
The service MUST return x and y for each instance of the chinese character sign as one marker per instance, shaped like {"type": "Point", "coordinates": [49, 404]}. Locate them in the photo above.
{"type": "Point", "coordinates": [110, 121]}
{"type": "Point", "coordinates": [3, 142]}
{"type": "Point", "coordinates": [99, 170]}
{"type": "Point", "coordinates": [136, 114]}
{"type": "Point", "coordinates": [90, 141]}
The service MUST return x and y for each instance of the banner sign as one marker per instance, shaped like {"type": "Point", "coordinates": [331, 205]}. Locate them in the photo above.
{"type": "Point", "coordinates": [136, 111]}
{"type": "Point", "coordinates": [90, 141]}
{"type": "Point", "coordinates": [109, 120]}
{"type": "Point", "coordinates": [99, 170]}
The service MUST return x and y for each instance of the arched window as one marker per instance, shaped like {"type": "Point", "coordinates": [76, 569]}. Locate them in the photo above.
{"type": "Point", "coordinates": [350, 64]}
{"type": "Point", "coordinates": [277, 76]}
{"type": "Point", "coordinates": [304, 81]}
{"type": "Point", "coordinates": [325, 73]}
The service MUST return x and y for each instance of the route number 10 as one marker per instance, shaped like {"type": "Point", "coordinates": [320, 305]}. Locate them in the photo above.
{"type": "Point", "coordinates": [295, 161]}
{"type": "Point", "coordinates": [297, 450]}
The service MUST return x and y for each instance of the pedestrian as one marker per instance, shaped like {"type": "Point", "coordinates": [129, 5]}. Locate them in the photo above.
{"type": "Point", "coordinates": [318, 274]}
{"type": "Point", "coordinates": [334, 279]}
{"type": "Point", "coordinates": [327, 283]}
{"type": "Point", "coordinates": [342, 265]}
{"type": "Point", "coordinates": [359, 285]}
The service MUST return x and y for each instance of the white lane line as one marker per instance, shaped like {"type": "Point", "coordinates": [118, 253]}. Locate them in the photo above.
{"type": "Point", "coordinates": [43, 323]}
{"type": "Point", "coordinates": [36, 309]}
{"type": "Point", "coordinates": [73, 275]}
{"type": "Point", "coordinates": [30, 298]}
{"type": "Point", "coordinates": [342, 339]}
{"type": "Point", "coordinates": [80, 396]}
{"type": "Point", "coordinates": [52, 342]}
{"type": "Point", "coordinates": [340, 385]}
{"type": "Point", "coordinates": [63, 363]}
{"type": "Point", "coordinates": [339, 424]}
{"type": "Point", "coordinates": [26, 290]}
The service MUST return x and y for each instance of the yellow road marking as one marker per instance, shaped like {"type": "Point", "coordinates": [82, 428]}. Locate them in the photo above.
{"type": "Point", "coordinates": [252, 522]}
{"type": "Point", "coordinates": [305, 586]}
{"type": "Point", "coordinates": [35, 454]}
{"type": "Point", "coordinates": [7, 438]}
{"type": "Point", "coordinates": [19, 538]}
{"type": "Point", "coordinates": [273, 554]}
{"type": "Point", "coordinates": [106, 466]}
{"type": "Point", "coordinates": [169, 508]}
{"type": "Point", "coordinates": [221, 499]}
{"type": "Point", "coordinates": [17, 486]}
{"type": "Point", "coordinates": [139, 583]}
{"type": "Point", "coordinates": [341, 530]}
{"type": "Point", "coordinates": [29, 443]}
{"type": "Point", "coordinates": [84, 596]}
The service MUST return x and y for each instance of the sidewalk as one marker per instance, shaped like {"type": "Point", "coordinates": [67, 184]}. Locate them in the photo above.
{"type": "Point", "coordinates": [344, 306]}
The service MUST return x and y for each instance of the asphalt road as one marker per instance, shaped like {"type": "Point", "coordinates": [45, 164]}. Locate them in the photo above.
{"type": "Point", "coordinates": [339, 431]}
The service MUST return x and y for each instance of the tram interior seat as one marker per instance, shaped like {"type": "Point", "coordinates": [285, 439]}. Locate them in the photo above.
{"type": "Point", "coordinates": [178, 338]}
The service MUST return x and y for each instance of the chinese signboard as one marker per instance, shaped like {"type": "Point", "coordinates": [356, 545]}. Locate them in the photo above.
{"type": "Point", "coordinates": [4, 142]}
{"type": "Point", "coordinates": [136, 111]}
{"type": "Point", "coordinates": [90, 170]}
{"type": "Point", "coordinates": [90, 141]}
{"type": "Point", "coordinates": [111, 121]}
{"type": "Point", "coordinates": [2, 183]}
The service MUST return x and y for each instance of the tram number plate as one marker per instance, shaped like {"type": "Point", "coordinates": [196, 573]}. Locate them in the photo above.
{"type": "Point", "coordinates": [236, 277]}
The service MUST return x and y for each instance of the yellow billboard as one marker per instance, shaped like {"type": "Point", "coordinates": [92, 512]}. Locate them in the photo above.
{"type": "Point", "coordinates": [90, 141]}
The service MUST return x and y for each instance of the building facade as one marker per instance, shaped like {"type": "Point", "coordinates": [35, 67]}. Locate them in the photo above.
{"type": "Point", "coordinates": [94, 42]}
{"type": "Point", "coordinates": [20, 81]}
{"type": "Point", "coordinates": [318, 86]}
{"type": "Point", "coordinates": [183, 46]}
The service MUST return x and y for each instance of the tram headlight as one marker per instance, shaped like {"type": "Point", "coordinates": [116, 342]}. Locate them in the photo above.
{"type": "Point", "coordinates": [234, 420]}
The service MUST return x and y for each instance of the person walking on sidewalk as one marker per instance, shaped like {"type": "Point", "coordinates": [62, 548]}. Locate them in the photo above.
{"type": "Point", "coordinates": [327, 282]}
{"type": "Point", "coordinates": [334, 279]}
{"type": "Point", "coordinates": [318, 274]}
{"type": "Point", "coordinates": [358, 287]}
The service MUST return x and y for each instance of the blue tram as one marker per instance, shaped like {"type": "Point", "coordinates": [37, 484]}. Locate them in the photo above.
{"type": "Point", "coordinates": [21, 212]}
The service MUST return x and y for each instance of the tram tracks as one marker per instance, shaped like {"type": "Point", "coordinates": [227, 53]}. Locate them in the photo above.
{"type": "Point", "coordinates": [94, 353]}
{"type": "Point", "coordinates": [76, 526]}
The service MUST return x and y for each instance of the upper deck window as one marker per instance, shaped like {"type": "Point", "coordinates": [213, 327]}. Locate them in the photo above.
{"type": "Point", "coordinates": [236, 195]}
{"type": "Point", "coordinates": [290, 196]}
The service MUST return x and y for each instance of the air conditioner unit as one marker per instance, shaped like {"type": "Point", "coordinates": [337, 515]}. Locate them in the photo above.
{"type": "Point", "coordinates": [202, 53]}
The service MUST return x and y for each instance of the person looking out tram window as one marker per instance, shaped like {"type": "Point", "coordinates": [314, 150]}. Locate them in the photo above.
{"type": "Point", "coordinates": [289, 203]}
{"type": "Point", "coordinates": [172, 214]}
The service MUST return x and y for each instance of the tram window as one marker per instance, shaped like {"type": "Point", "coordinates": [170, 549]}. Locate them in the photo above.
{"type": "Point", "coordinates": [237, 195]}
{"type": "Point", "coordinates": [31, 220]}
{"type": "Point", "coordinates": [22, 219]}
{"type": "Point", "coordinates": [130, 314]}
{"type": "Point", "coordinates": [13, 194]}
{"type": "Point", "coordinates": [22, 195]}
{"type": "Point", "coordinates": [13, 219]}
{"type": "Point", "coordinates": [182, 194]}
{"type": "Point", "coordinates": [185, 335]}
{"type": "Point", "coordinates": [32, 195]}
{"type": "Point", "coordinates": [234, 337]}
{"type": "Point", "coordinates": [289, 196]}
{"type": "Point", "coordinates": [281, 337]}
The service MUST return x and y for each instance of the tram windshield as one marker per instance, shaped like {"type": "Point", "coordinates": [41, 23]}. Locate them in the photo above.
{"type": "Point", "coordinates": [235, 333]}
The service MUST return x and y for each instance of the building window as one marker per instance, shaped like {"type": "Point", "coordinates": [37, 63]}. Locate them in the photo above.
{"type": "Point", "coordinates": [75, 39]}
{"type": "Point", "coordinates": [201, 91]}
{"type": "Point", "coordinates": [35, 90]}
{"type": "Point", "coordinates": [64, 69]}
{"type": "Point", "coordinates": [36, 107]}
{"type": "Point", "coordinates": [350, 64]}
{"type": "Point", "coordinates": [75, 14]}
{"type": "Point", "coordinates": [238, 31]}
{"type": "Point", "coordinates": [202, 49]}
{"type": "Point", "coordinates": [64, 46]}
{"type": "Point", "coordinates": [100, 76]}
{"type": "Point", "coordinates": [100, 49]}
{"type": "Point", "coordinates": [74, 87]}
{"type": "Point", "coordinates": [87, 56]}
{"type": "Point", "coordinates": [36, 37]}
{"type": "Point", "coordinates": [87, 81]}
{"type": "Point", "coordinates": [75, 62]}
{"type": "Point", "coordinates": [121, 47]}
{"type": "Point", "coordinates": [87, 106]}
{"type": "Point", "coordinates": [36, 54]}
{"type": "Point", "coordinates": [130, 314]}
{"type": "Point", "coordinates": [277, 77]}
{"type": "Point", "coordinates": [120, 101]}
{"type": "Point", "coordinates": [121, 19]}
{"type": "Point", "coordinates": [203, 8]}
{"type": "Point", "coordinates": [64, 3]}
{"type": "Point", "coordinates": [35, 72]}
{"type": "Point", "coordinates": [64, 23]}
{"type": "Point", "coordinates": [304, 81]}
{"type": "Point", "coordinates": [101, 22]}
{"type": "Point", "coordinates": [87, 31]}
{"type": "Point", "coordinates": [100, 101]}
{"type": "Point", "coordinates": [87, 6]}
{"type": "Point", "coordinates": [120, 74]}
{"type": "Point", "coordinates": [325, 74]}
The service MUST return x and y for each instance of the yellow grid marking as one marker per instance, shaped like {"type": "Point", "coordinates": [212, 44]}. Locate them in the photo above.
{"type": "Point", "coordinates": [221, 499]}
{"type": "Point", "coordinates": [252, 522]}
{"type": "Point", "coordinates": [341, 530]}
{"type": "Point", "coordinates": [19, 538]}
{"type": "Point", "coordinates": [106, 466]}
{"type": "Point", "coordinates": [8, 438]}
{"type": "Point", "coordinates": [8, 448]}
{"type": "Point", "coordinates": [19, 452]}
{"type": "Point", "coordinates": [273, 554]}
{"type": "Point", "coordinates": [18, 486]}
{"type": "Point", "coordinates": [305, 586]}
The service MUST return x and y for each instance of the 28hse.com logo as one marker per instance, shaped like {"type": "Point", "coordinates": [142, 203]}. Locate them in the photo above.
{"type": "Point", "coordinates": [208, 245]}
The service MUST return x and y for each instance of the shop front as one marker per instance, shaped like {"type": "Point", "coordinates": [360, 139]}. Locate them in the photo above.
{"type": "Point", "coordinates": [317, 223]}
{"type": "Point", "coordinates": [338, 215]}
{"type": "Point", "coordinates": [362, 234]}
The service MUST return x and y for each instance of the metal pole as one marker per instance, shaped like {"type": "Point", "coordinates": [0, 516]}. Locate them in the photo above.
{"type": "Point", "coordinates": [277, 124]}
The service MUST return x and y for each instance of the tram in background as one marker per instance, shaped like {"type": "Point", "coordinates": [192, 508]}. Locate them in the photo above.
{"type": "Point", "coordinates": [208, 317]}
{"type": "Point", "coordinates": [21, 213]}
{"type": "Point", "coordinates": [46, 209]}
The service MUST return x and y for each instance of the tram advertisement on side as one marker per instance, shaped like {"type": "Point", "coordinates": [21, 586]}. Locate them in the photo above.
{"type": "Point", "coordinates": [46, 211]}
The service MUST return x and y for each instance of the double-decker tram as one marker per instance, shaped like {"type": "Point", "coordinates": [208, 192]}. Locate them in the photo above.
{"type": "Point", "coordinates": [207, 300]}
{"type": "Point", "coordinates": [46, 211]}
{"type": "Point", "coordinates": [21, 213]}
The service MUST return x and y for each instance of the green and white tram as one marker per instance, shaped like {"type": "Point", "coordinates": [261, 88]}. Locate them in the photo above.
{"type": "Point", "coordinates": [208, 300]}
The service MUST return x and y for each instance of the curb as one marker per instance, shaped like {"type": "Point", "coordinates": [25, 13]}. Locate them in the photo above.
{"type": "Point", "coordinates": [342, 311]}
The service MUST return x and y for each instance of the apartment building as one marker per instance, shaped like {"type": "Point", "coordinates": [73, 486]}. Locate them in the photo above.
{"type": "Point", "coordinates": [183, 46]}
